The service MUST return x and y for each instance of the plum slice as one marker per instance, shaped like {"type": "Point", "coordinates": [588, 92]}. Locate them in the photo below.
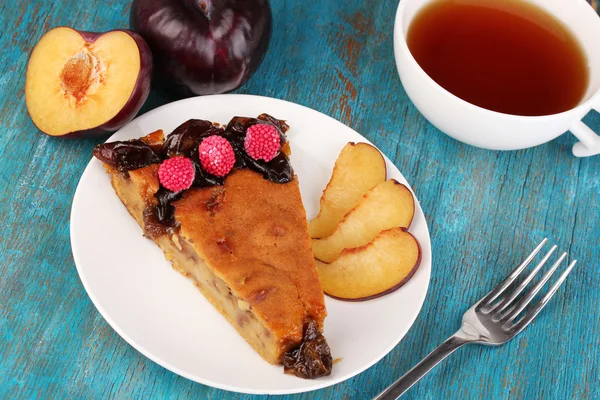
{"type": "Point", "coordinates": [358, 168]}
{"type": "Point", "coordinates": [388, 205]}
{"type": "Point", "coordinates": [371, 271]}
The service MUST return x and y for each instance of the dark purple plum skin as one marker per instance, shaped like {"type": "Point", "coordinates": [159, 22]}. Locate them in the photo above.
{"type": "Point", "coordinates": [138, 96]}
{"type": "Point", "coordinates": [204, 47]}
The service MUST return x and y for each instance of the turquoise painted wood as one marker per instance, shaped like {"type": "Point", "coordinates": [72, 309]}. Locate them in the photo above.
{"type": "Point", "coordinates": [485, 211]}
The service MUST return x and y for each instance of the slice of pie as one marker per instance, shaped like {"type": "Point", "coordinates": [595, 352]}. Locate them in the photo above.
{"type": "Point", "coordinates": [242, 238]}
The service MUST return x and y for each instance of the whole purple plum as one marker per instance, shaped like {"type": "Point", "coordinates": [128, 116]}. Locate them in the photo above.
{"type": "Point", "coordinates": [204, 46]}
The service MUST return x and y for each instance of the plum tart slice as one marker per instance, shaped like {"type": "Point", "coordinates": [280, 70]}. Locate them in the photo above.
{"type": "Point", "coordinates": [242, 238]}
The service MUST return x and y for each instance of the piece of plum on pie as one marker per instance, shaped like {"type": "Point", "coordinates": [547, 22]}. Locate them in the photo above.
{"type": "Point", "coordinates": [242, 238]}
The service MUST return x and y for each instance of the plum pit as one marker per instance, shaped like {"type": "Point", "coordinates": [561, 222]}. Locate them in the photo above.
{"type": "Point", "coordinates": [80, 75]}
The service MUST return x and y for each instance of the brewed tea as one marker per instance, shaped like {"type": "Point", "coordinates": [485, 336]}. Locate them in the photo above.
{"type": "Point", "coordinates": [503, 55]}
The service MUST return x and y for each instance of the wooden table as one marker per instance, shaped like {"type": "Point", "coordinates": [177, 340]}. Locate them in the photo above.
{"type": "Point", "coordinates": [485, 210]}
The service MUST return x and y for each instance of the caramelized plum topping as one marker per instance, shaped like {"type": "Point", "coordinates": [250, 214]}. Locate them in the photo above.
{"type": "Point", "coordinates": [165, 210]}
{"type": "Point", "coordinates": [153, 228]}
{"type": "Point", "coordinates": [279, 169]}
{"type": "Point", "coordinates": [279, 123]}
{"type": "Point", "coordinates": [204, 179]}
{"type": "Point", "coordinates": [160, 219]}
{"type": "Point", "coordinates": [312, 358]}
{"type": "Point", "coordinates": [184, 140]}
{"type": "Point", "coordinates": [126, 156]}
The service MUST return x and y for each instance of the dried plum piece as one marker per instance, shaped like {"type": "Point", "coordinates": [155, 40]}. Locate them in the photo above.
{"type": "Point", "coordinates": [153, 228]}
{"type": "Point", "coordinates": [126, 156]}
{"type": "Point", "coordinates": [240, 125]}
{"type": "Point", "coordinates": [278, 170]}
{"type": "Point", "coordinates": [205, 179]}
{"type": "Point", "coordinates": [155, 140]}
{"type": "Point", "coordinates": [312, 358]}
{"type": "Point", "coordinates": [278, 123]}
{"type": "Point", "coordinates": [184, 140]}
{"type": "Point", "coordinates": [165, 211]}
{"type": "Point", "coordinates": [159, 219]}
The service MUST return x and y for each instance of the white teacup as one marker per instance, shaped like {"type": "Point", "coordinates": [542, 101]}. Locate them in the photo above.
{"type": "Point", "coordinates": [493, 130]}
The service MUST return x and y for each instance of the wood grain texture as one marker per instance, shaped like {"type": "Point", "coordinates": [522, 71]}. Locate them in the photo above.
{"type": "Point", "coordinates": [485, 211]}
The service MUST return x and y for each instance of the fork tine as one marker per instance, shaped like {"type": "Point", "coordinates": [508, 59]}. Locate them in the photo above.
{"type": "Point", "coordinates": [497, 291]}
{"type": "Point", "coordinates": [523, 322]}
{"type": "Point", "coordinates": [521, 304]}
{"type": "Point", "coordinates": [504, 303]}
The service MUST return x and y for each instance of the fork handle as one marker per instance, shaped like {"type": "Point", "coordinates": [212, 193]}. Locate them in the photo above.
{"type": "Point", "coordinates": [398, 388]}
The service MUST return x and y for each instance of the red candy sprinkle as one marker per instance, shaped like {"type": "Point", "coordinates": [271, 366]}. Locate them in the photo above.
{"type": "Point", "coordinates": [216, 155]}
{"type": "Point", "coordinates": [262, 142]}
{"type": "Point", "coordinates": [176, 173]}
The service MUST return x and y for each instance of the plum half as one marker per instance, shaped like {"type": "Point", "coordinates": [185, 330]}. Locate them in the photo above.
{"type": "Point", "coordinates": [204, 47]}
{"type": "Point", "coordinates": [86, 83]}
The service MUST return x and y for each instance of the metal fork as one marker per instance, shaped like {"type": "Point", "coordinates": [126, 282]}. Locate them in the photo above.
{"type": "Point", "coordinates": [492, 321]}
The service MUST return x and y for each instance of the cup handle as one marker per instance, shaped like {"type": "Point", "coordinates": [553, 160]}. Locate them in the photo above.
{"type": "Point", "coordinates": [589, 141]}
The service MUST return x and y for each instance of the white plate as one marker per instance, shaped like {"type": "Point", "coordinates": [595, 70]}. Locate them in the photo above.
{"type": "Point", "coordinates": [160, 312]}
